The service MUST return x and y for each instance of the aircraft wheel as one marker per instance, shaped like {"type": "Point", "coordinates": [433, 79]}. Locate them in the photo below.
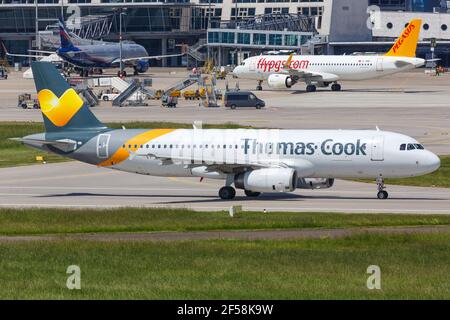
{"type": "Point", "coordinates": [336, 87]}
{"type": "Point", "coordinates": [311, 88]}
{"type": "Point", "coordinates": [227, 193]}
{"type": "Point", "coordinates": [382, 195]}
{"type": "Point", "coordinates": [249, 193]}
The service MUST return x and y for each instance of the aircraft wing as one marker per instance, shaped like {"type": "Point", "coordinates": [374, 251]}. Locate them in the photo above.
{"type": "Point", "coordinates": [212, 164]}
{"type": "Point", "coordinates": [304, 75]}
{"type": "Point", "coordinates": [149, 57]}
{"type": "Point", "coordinates": [20, 55]}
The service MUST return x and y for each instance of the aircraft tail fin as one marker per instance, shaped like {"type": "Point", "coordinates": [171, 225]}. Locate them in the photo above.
{"type": "Point", "coordinates": [66, 42]}
{"type": "Point", "coordinates": [406, 43]}
{"type": "Point", "coordinates": [62, 108]}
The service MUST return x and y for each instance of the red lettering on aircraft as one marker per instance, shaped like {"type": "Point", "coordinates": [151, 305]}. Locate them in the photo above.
{"type": "Point", "coordinates": [403, 37]}
{"type": "Point", "coordinates": [276, 65]}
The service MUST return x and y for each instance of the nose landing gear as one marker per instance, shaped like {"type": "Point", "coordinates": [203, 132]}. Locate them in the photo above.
{"type": "Point", "coordinates": [259, 86]}
{"type": "Point", "coordinates": [382, 194]}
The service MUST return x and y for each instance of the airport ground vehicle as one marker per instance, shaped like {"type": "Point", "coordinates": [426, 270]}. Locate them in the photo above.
{"type": "Point", "coordinates": [169, 101]}
{"type": "Point", "coordinates": [254, 160]}
{"type": "Point", "coordinates": [242, 99]}
{"type": "Point", "coordinates": [108, 96]}
{"type": "Point", "coordinates": [25, 101]}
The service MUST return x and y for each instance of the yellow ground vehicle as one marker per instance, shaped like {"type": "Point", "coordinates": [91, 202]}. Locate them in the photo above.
{"type": "Point", "coordinates": [25, 101]}
{"type": "Point", "coordinates": [191, 94]}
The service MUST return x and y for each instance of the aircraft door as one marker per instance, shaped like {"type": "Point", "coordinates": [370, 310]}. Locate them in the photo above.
{"type": "Point", "coordinates": [377, 148]}
{"type": "Point", "coordinates": [379, 64]}
{"type": "Point", "coordinates": [102, 145]}
{"type": "Point", "coordinates": [252, 65]}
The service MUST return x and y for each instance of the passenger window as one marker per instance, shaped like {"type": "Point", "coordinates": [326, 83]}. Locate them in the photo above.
{"type": "Point", "coordinates": [410, 146]}
{"type": "Point", "coordinates": [403, 147]}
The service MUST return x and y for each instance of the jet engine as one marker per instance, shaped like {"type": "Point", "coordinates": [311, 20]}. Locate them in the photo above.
{"type": "Point", "coordinates": [142, 66]}
{"type": "Point", "coordinates": [267, 180]}
{"type": "Point", "coordinates": [314, 183]}
{"type": "Point", "coordinates": [280, 81]}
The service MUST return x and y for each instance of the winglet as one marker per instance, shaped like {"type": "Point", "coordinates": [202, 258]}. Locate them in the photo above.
{"type": "Point", "coordinates": [288, 62]}
{"type": "Point", "coordinates": [406, 43]}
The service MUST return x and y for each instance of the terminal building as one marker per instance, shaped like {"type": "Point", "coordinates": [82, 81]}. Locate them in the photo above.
{"type": "Point", "coordinates": [230, 30]}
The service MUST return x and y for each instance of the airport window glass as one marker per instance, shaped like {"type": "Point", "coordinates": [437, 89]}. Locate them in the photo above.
{"type": "Point", "coordinates": [259, 38]}
{"type": "Point", "coordinates": [243, 38]}
{"type": "Point", "coordinates": [227, 37]}
{"type": "Point", "coordinates": [213, 37]}
{"type": "Point", "coordinates": [290, 40]}
{"type": "Point", "coordinates": [275, 39]}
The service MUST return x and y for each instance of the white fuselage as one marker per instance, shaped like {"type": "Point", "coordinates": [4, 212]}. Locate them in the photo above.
{"type": "Point", "coordinates": [312, 153]}
{"type": "Point", "coordinates": [333, 68]}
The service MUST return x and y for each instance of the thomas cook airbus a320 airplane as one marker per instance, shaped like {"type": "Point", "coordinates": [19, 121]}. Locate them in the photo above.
{"type": "Point", "coordinates": [256, 161]}
{"type": "Point", "coordinates": [282, 71]}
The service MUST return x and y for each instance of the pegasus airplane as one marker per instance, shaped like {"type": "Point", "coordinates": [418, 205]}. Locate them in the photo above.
{"type": "Point", "coordinates": [284, 71]}
{"type": "Point", "coordinates": [266, 160]}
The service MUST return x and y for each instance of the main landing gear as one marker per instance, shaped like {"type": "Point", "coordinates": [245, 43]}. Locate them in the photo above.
{"type": "Point", "coordinates": [311, 88]}
{"type": "Point", "coordinates": [382, 194]}
{"type": "Point", "coordinates": [227, 193]}
{"type": "Point", "coordinates": [259, 86]}
{"type": "Point", "coordinates": [335, 87]}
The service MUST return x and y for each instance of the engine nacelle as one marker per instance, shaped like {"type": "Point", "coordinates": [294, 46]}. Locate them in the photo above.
{"type": "Point", "coordinates": [280, 81]}
{"type": "Point", "coordinates": [314, 183]}
{"type": "Point", "coordinates": [267, 180]}
{"type": "Point", "coordinates": [142, 66]}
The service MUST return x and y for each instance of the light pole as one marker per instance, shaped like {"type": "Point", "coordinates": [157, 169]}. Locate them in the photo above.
{"type": "Point", "coordinates": [120, 39]}
{"type": "Point", "coordinates": [208, 27]}
{"type": "Point", "coordinates": [38, 41]}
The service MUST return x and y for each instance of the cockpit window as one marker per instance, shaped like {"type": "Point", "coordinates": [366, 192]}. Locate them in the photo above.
{"type": "Point", "coordinates": [411, 146]}
{"type": "Point", "coordinates": [243, 63]}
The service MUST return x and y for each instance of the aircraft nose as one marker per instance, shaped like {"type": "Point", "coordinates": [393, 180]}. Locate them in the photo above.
{"type": "Point", "coordinates": [237, 70]}
{"type": "Point", "coordinates": [429, 162]}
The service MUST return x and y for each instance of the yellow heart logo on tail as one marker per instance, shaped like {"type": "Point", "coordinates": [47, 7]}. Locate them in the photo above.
{"type": "Point", "coordinates": [59, 110]}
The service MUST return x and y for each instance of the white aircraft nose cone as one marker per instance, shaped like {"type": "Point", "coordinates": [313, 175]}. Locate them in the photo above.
{"type": "Point", "coordinates": [237, 70]}
{"type": "Point", "coordinates": [430, 162]}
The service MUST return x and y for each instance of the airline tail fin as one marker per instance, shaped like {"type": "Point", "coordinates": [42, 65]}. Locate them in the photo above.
{"type": "Point", "coordinates": [66, 42]}
{"type": "Point", "coordinates": [406, 43]}
{"type": "Point", "coordinates": [62, 108]}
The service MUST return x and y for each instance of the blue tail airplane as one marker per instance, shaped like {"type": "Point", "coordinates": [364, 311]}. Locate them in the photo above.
{"type": "Point", "coordinates": [101, 55]}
